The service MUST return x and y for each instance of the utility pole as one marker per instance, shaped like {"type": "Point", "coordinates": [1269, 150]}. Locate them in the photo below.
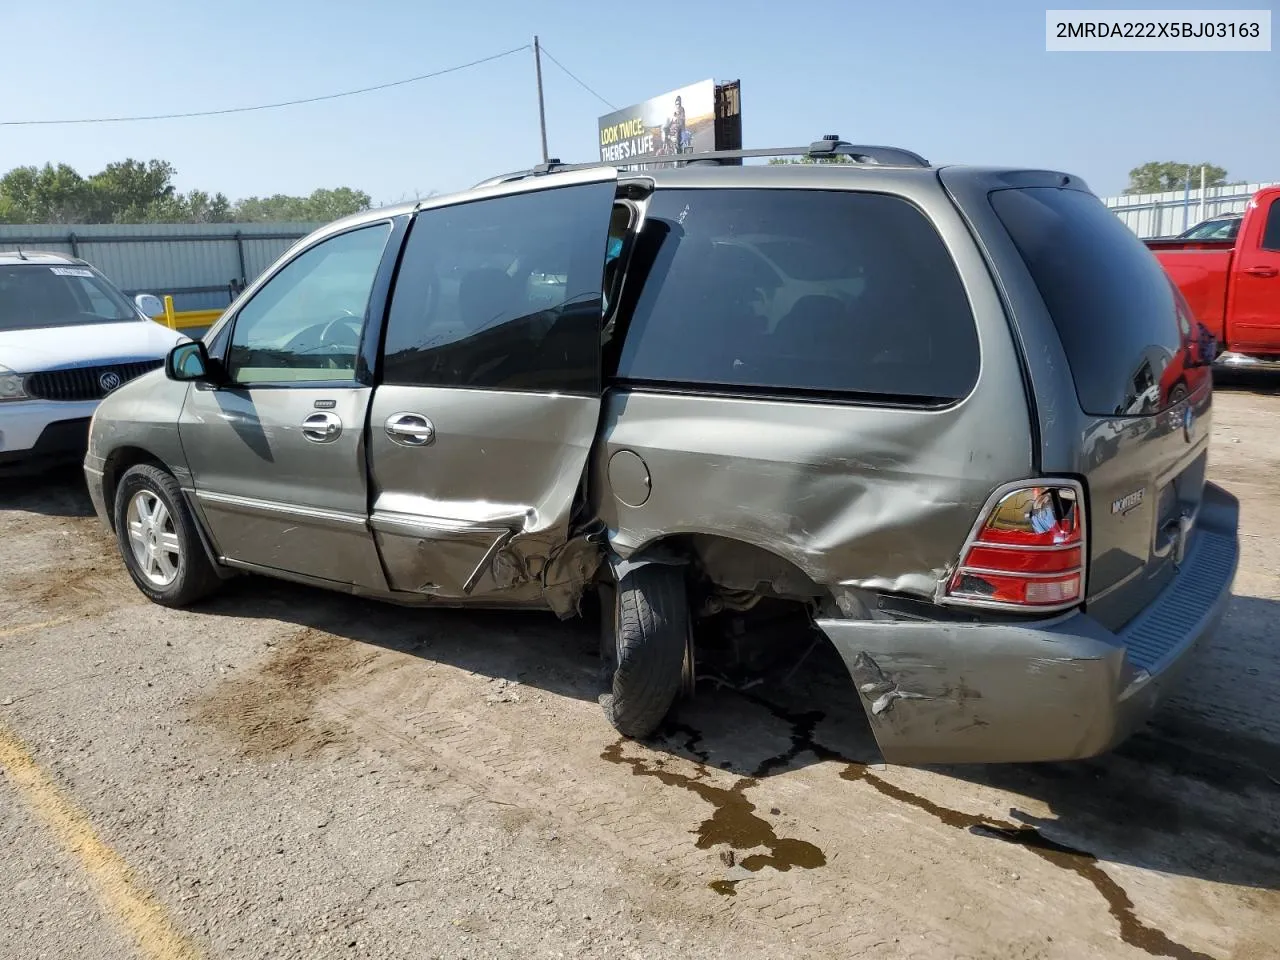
{"type": "Point", "coordinates": [542, 110]}
{"type": "Point", "coordinates": [1186, 200]}
{"type": "Point", "coordinates": [1202, 191]}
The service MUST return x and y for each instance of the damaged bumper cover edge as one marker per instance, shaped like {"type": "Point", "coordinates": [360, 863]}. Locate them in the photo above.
{"type": "Point", "coordinates": [1057, 689]}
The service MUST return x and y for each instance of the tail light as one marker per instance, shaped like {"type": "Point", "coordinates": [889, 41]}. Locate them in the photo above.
{"type": "Point", "coordinates": [1026, 552]}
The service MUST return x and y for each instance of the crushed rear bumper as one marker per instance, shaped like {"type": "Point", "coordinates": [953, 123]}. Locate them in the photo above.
{"type": "Point", "coordinates": [1057, 689]}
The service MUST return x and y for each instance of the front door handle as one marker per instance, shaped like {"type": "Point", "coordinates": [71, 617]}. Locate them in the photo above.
{"type": "Point", "coordinates": [1262, 271]}
{"type": "Point", "coordinates": [410, 429]}
{"type": "Point", "coordinates": [322, 428]}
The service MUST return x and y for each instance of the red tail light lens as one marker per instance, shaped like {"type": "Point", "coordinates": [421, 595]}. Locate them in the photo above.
{"type": "Point", "coordinates": [1028, 551]}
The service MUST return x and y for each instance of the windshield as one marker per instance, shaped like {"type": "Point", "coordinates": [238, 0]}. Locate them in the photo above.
{"type": "Point", "coordinates": [38, 295]}
{"type": "Point", "coordinates": [1224, 229]}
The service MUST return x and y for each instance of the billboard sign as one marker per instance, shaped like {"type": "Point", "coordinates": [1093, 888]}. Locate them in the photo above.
{"type": "Point", "coordinates": [682, 121]}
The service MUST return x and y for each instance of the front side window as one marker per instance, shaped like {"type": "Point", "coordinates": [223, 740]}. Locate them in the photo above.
{"type": "Point", "coordinates": [503, 294]}
{"type": "Point", "coordinates": [822, 292]}
{"type": "Point", "coordinates": [305, 323]}
{"type": "Point", "coordinates": [34, 296]}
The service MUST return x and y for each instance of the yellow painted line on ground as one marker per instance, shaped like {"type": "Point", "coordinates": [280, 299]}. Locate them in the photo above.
{"type": "Point", "coordinates": [121, 893]}
{"type": "Point", "coordinates": [28, 627]}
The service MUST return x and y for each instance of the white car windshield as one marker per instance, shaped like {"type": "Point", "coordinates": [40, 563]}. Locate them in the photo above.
{"type": "Point", "coordinates": [42, 295]}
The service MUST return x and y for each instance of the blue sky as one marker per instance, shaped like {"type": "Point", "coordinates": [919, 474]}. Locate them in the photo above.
{"type": "Point", "coordinates": [955, 82]}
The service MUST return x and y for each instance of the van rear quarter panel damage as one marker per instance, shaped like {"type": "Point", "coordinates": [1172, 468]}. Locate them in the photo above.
{"type": "Point", "coordinates": [856, 497]}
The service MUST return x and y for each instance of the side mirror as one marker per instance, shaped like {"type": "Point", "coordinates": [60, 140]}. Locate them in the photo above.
{"type": "Point", "coordinates": [188, 361]}
{"type": "Point", "coordinates": [149, 304]}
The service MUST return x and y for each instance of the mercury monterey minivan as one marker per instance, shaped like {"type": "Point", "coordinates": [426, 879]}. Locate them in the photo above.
{"type": "Point", "coordinates": [913, 402]}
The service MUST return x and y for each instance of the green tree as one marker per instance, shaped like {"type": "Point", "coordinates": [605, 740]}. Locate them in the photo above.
{"type": "Point", "coordinates": [1160, 177]}
{"type": "Point", "coordinates": [134, 191]}
{"type": "Point", "coordinates": [45, 194]}
{"type": "Point", "coordinates": [199, 207]}
{"type": "Point", "coordinates": [320, 205]}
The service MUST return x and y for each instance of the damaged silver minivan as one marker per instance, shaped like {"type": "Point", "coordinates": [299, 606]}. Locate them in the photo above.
{"type": "Point", "coordinates": [957, 417]}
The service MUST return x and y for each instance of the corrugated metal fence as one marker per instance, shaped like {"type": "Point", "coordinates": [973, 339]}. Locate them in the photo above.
{"type": "Point", "coordinates": [194, 262]}
{"type": "Point", "coordinates": [1168, 214]}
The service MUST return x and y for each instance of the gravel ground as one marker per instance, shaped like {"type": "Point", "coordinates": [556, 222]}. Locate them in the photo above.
{"type": "Point", "coordinates": [289, 773]}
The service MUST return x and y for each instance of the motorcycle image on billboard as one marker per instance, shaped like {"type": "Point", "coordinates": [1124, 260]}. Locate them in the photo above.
{"type": "Point", "coordinates": [680, 122]}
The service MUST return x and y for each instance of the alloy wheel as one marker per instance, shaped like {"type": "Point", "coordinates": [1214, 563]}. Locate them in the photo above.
{"type": "Point", "coordinates": [153, 538]}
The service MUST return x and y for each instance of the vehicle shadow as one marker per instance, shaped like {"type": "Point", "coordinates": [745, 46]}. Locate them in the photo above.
{"type": "Point", "coordinates": [1196, 793]}
{"type": "Point", "coordinates": [58, 492]}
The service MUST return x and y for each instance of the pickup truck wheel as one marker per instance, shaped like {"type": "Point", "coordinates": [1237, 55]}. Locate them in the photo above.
{"type": "Point", "coordinates": [158, 539]}
{"type": "Point", "coordinates": [645, 639]}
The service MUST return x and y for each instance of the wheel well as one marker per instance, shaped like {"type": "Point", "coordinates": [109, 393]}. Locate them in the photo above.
{"type": "Point", "coordinates": [121, 460]}
{"type": "Point", "coordinates": [733, 569]}
{"type": "Point", "coordinates": [752, 610]}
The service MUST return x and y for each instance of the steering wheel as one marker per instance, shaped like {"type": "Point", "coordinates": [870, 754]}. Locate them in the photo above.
{"type": "Point", "coordinates": [347, 321]}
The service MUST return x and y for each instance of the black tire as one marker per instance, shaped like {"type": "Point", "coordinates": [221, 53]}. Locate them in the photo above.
{"type": "Point", "coordinates": [195, 576]}
{"type": "Point", "coordinates": [645, 634]}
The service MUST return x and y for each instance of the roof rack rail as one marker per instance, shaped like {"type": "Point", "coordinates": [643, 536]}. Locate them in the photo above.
{"type": "Point", "coordinates": [829, 146]}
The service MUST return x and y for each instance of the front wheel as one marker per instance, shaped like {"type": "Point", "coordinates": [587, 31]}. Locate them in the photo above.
{"type": "Point", "coordinates": [645, 647]}
{"type": "Point", "coordinates": [158, 539]}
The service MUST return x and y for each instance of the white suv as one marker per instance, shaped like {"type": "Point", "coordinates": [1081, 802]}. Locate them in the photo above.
{"type": "Point", "coordinates": [68, 337]}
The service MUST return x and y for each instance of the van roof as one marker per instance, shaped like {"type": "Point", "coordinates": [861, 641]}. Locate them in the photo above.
{"type": "Point", "coordinates": [38, 257]}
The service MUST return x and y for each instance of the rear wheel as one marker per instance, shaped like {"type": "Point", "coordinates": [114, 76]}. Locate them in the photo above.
{"type": "Point", "coordinates": [158, 539]}
{"type": "Point", "coordinates": [645, 646]}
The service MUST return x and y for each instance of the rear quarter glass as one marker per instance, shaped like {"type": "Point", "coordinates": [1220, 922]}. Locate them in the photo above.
{"type": "Point", "coordinates": [799, 291]}
{"type": "Point", "coordinates": [1121, 321]}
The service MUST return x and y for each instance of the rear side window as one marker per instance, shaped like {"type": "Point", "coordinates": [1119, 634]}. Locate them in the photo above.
{"type": "Point", "coordinates": [503, 294]}
{"type": "Point", "coordinates": [786, 291]}
{"type": "Point", "coordinates": [1113, 305]}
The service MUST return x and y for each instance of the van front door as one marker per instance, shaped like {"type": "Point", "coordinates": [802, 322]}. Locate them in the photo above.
{"type": "Point", "coordinates": [277, 454]}
{"type": "Point", "coordinates": [490, 388]}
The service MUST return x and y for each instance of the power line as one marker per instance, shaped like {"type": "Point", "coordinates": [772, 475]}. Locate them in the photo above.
{"type": "Point", "coordinates": [575, 79]}
{"type": "Point", "coordinates": [272, 106]}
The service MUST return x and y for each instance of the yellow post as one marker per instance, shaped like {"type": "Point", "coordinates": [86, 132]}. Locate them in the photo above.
{"type": "Point", "coordinates": [170, 320]}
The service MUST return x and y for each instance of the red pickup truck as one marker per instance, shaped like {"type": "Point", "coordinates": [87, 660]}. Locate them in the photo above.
{"type": "Point", "coordinates": [1233, 285]}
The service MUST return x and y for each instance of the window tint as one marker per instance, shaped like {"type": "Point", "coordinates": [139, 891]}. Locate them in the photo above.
{"type": "Point", "coordinates": [97, 302]}
{"type": "Point", "coordinates": [1271, 233]}
{"type": "Point", "coordinates": [503, 294]}
{"type": "Point", "coordinates": [1225, 229]}
{"type": "Point", "coordinates": [1115, 309]}
{"type": "Point", "coordinates": [785, 290]}
{"type": "Point", "coordinates": [35, 295]}
{"type": "Point", "coordinates": [305, 323]}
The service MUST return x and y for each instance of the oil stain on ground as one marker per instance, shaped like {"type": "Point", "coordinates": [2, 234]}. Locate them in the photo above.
{"type": "Point", "coordinates": [1085, 865]}
{"type": "Point", "coordinates": [734, 821]}
{"type": "Point", "coordinates": [272, 710]}
{"type": "Point", "coordinates": [736, 824]}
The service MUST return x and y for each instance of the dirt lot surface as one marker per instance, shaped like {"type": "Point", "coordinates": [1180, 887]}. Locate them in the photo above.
{"type": "Point", "coordinates": [289, 773]}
